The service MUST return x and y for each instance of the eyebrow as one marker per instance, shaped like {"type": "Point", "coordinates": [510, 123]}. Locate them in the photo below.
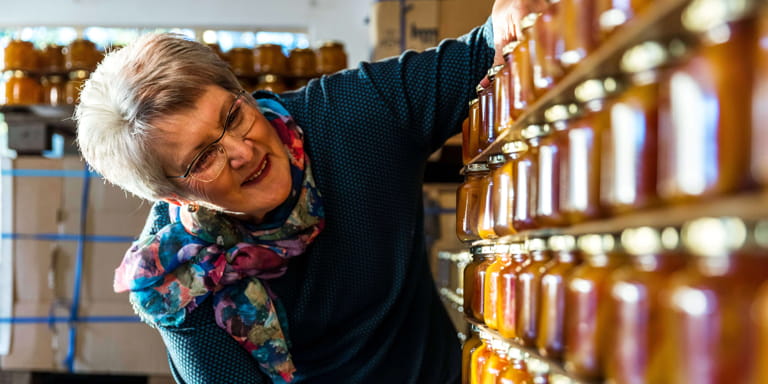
{"type": "Point", "coordinates": [187, 160]}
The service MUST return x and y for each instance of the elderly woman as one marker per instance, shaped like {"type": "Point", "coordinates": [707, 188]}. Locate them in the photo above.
{"type": "Point", "coordinates": [285, 243]}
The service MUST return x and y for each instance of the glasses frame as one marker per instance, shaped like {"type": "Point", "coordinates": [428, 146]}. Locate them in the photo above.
{"type": "Point", "coordinates": [227, 122]}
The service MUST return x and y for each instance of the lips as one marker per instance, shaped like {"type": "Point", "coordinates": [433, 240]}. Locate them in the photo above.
{"type": "Point", "coordinates": [259, 173]}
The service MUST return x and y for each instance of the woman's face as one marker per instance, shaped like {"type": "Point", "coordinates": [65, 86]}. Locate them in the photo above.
{"type": "Point", "coordinates": [256, 175]}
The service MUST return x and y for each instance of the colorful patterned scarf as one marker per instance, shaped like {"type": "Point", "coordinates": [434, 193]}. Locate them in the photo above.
{"type": "Point", "coordinates": [206, 253]}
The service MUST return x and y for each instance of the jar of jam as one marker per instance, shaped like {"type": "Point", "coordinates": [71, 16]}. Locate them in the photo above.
{"type": "Point", "coordinates": [546, 49]}
{"type": "Point", "coordinates": [586, 300]}
{"type": "Point", "coordinates": [74, 84]}
{"type": "Point", "coordinates": [466, 352]}
{"type": "Point", "coordinates": [81, 54]}
{"type": "Point", "coordinates": [468, 200]}
{"type": "Point", "coordinates": [704, 120]}
{"type": "Point", "coordinates": [551, 167]}
{"type": "Point", "coordinates": [507, 310]}
{"type": "Point", "coordinates": [269, 59]}
{"type": "Point", "coordinates": [707, 307]}
{"type": "Point", "coordinates": [516, 371]}
{"type": "Point", "coordinates": [488, 254]}
{"type": "Point", "coordinates": [525, 189]}
{"type": "Point", "coordinates": [302, 62]}
{"type": "Point", "coordinates": [272, 83]}
{"type": "Point", "coordinates": [759, 160]}
{"type": "Point", "coordinates": [580, 31]}
{"type": "Point", "coordinates": [496, 363]}
{"type": "Point", "coordinates": [629, 164]}
{"type": "Point", "coordinates": [634, 351]}
{"type": "Point", "coordinates": [470, 133]}
{"type": "Point", "coordinates": [502, 85]}
{"type": "Point", "coordinates": [21, 88]}
{"type": "Point", "coordinates": [549, 340]}
{"type": "Point", "coordinates": [491, 292]}
{"type": "Point", "coordinates": [487, 100]}
{"type": "Point", "coordinates": [517, 57]}
{"type": "Point", "coordinates": [52, 59]}
{"type": "Point", "coordinates": [504, 189]}
{"type": "Point", "coordinates": [612, 14]}
{"type": "Point", "coordinates": [528, 291]}
{"type": "Point", "coordinates": [470, 283]}
{"type": "Point", "coordinates": [584, 149]}
{"type": "Point", "coordinates": [485, 223]}
{"type": "Point", "coordinates": [479, 358]}
{"type": "Point", "coordinates": [241, 61]}
{"type": "Point", "coordinates": [20, 55]}
{"type": "Point", "coordinates": [331, 57]}
{"type": "Point", "coordinates": [54, 90]}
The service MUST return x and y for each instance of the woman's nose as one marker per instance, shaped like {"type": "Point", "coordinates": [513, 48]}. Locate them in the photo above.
{"type": "Point", "coordinates": [239, 151]}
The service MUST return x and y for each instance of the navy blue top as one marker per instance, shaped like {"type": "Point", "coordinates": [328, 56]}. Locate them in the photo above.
{"type": "Point", "coordinates": [362, 306]}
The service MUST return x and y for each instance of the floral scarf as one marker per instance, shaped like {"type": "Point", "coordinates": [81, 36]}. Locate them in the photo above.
{"type": "Point", "coordinates": [206, 253]}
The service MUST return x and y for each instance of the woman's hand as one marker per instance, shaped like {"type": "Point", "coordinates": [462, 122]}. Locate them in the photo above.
{"type": "Point", "coordinates": [506, 16]}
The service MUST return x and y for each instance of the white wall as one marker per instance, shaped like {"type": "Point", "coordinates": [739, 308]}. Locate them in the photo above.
{"type": "Point", "coordinates": [342, 20]}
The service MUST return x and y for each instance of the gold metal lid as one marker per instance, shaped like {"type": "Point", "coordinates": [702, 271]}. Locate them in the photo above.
{"type": "Point", "coordinates": [483, 250]}
{"type": "Point", "coordinates": [516, 248]}
{"type": "Point", "coordinates": [704, 15]}
{"type": "Point", "coordinates": [596, 244]}
{"type": "Point", "coordinates": [479, 88]}
{"type": "Point", "coordinates": [535, 130]}
{"type": "Point", "coordinates": [79, 74]}
{"type": "Point", "coordinates": [560, 112]}
{"type": "Point", "coordinates": [651, 55]}
{"type": "Point", "coordinates": [641, 241]}
{"type": "Point", "coordinates": [714, 237]}
{"type": "Point", "coordinates": [477, 167]}
{"type": "Point", "coordinates": [562, 243]}
{"type": "Point", "coordinates": [496, 159]}
{"type": "Point", "coordinates": [536, 244]}
{"type": "Point", "coordinates": [529, 20]}
{"type": "Point", "coordinates": [509, 48]}
{"type": "Point", "coordinates": [501, 248]}
{"type": "Point", "coordinates": [596, 89]}
{"type": "Point", "coordinates": [514, 147]}
{"type": "Point", "coordinates": [494, 70]}
{"type": "Point", "coordinates": [473, 102]}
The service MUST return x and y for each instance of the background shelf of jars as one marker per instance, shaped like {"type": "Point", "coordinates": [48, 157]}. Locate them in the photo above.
{"type": "Point", "coordinates": [640, 154]}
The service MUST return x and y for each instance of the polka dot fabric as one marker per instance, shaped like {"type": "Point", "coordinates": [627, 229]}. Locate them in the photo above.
{"type": "Point", "coordinates": [361, 303]}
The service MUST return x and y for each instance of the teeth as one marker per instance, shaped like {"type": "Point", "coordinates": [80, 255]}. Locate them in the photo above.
{"type": "Point", "coordinates": [257, 174]}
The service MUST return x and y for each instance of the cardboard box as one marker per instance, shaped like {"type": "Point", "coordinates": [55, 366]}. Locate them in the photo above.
{"type": "Point", "coordinates": [44, 201]}
{"type": "Point", "coordinates": [424, 22]}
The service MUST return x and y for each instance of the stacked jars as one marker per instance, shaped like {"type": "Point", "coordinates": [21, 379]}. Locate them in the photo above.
{"type": "Point", "coordinates": [54, 75]}
{"type": "Point", "coordinates": [21, 85]}
{"type": "Point", "coordinates": [80, 59]}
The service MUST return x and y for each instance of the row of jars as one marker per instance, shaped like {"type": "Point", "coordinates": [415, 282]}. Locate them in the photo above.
{"type": "Point", "coordinates": [684, 124]}
{"type": "Point", "coordinates": [486, 359]}
{"type": "Point", "coordinates": [80, 54]}
{"type": "Point", "coordinates": [22, 88]}
{"type": "Point", "coordinates": [556, 40]}
{"type": "Point", "coordinates": [648, 306]}
{"type": "Point", "coordinates": [265, 59]}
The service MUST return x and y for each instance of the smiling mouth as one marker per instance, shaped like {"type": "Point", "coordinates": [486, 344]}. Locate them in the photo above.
{"type": "Point", "coordinates": [257, 175]}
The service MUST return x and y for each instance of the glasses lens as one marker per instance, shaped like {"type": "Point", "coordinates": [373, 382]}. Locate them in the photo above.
{"type": "Point", "coordinates": [208, 166]}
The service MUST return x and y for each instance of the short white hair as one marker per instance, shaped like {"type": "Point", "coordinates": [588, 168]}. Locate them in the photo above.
{"type": "Point", "coordinates": [156, 76]}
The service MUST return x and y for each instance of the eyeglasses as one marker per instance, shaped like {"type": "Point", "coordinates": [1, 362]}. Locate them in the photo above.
{"type": "Point", "coordinates": [207, 165]}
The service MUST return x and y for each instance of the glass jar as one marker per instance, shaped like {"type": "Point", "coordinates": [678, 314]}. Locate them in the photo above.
{"type": "Point", "coordinates": [502, 85]}
{"type": "Point", "coordinates": [74, 84]}
{"type": "Point", "coordinates": [496, 363]}
{"type": "Point", "coordinates": [759, 160]}
{"type": "Point", "coordinates": [21, 88]}
{"type": "Point", "coordinates": [634, 352]}
{"type": "Point", "coordinates": [485, 223]}
{"type": "Point", "coordinates": [470, 283]}
{"type": "Point", "coordinates": [487, 100]}
{"type": "Point", "coordinates": [586, 300]}
{"type": "Point", "coordinates": [272, 83]}
{"type": "Point", "coordinates": [549, 340]}
{"type": "Point", "coordinates": [580, 31]}
{"type": "Point", "coordinates": [612, 14]}
{"type": "Point", "coordinates": [241, 61]}
{"type": "Point", "coordinates": [551, 167]}
{"type": "Point", "coordinates": [479, 358]}
{"type": "Point", "coordinates": [54, 90]}
{"type": "Point", "coordinates": [584, 149]}
{"type": "Point", "coordinates": [539, 371]}
{"type": "Point", "coordinates": [704, 120]}
{"type": "Point", "coordinates": [466, 353]}
{"type": "Point", "coordinates": [52, 59]}
{"type": "Point", "coordinates": [269, 59]}
{"type": "Point", "coordinates": [491, 292]}
{"type": "Point", "coordinates": [546, 48]}
{"type": "Point", "coordinates": [706, 307]}
{"type": "Point", "coordinates": [525, 189]}
{"type": "Point", "coordinates": [629, 164]}
{"type": "Point", "coordinates": [20, 55]}
{"type": "Point", "coordinates": [516, 371]}
{"type": "Point", "coordinates": [504, 189]}
{"type": "Point", "coordinates": [81, 54]}
{"type": "Point", "coordinates": [331, 57]}
{"type": "Point", "coordinates": [759, 372]}
{"type": "Point", "coordinates": [518, 58]}
{"type": "Point", "coordinates": [470, 133]}
{"type": "Point", "coordinates": [302, 62]}
{"type": "Point", "coordinates": [507, 320]}
{"type": "Point", "coordinates": [528, 291]}
{"type": "Point", "coordinates": [468, 200]}
{"type": "Point", "coordinates": [488, 254]}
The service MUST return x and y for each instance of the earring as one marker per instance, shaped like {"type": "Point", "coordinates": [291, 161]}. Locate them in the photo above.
{"type": "Point", "coordinates": [192, 207]}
